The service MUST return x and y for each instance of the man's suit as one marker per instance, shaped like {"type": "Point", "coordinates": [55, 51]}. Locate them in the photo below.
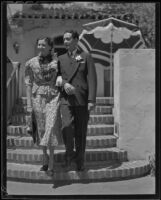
{"type": "Point", "coordinates": [79, 72]}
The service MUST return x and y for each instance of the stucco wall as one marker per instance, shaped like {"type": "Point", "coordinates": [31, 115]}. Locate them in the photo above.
{"type": "Point", "coordinates": [134, 101]}
{"type": "Point", "coordinates": [9, 70]}
{"type": "Point", "coordinates": [33, 29]}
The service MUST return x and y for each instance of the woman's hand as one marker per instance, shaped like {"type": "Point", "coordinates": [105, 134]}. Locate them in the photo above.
{"type": "Point", "coordinates": [59, 81]}
{"type": "Point", "coordinates": [91, 106]}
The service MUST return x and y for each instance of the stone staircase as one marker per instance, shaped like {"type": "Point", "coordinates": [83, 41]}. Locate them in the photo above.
{"type": "Point", "coordinates": [104, 161]}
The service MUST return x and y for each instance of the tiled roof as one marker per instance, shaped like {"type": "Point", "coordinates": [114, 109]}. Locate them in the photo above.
{"type": "Point", "coordinates": [69, 14]}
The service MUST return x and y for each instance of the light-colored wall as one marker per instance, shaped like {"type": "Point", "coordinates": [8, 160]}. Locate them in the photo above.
{"type": "Point", "coordinates": [134, 101]}
{"type": "Point", "coordinates": [100, 79]}
{"type": "Point", "coordinates": [9, 70]}
{"type": "Point", "coordinates": [33, 29]}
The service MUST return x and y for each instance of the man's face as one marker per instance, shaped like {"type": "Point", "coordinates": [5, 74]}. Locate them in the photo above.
{"type": "Point", "coordinates": [69, 41]}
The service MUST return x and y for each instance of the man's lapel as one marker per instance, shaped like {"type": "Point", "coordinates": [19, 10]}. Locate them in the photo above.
{"type": "Point", "coordinates": [68, 65]}
{"type": "Point", "coordinates": [74, 65]}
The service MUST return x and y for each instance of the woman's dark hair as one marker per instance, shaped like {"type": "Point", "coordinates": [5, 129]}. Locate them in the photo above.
{"type": "Point", "coordinates": [48, 40]}
{"type": "Point", "coordinates": [74, 33]}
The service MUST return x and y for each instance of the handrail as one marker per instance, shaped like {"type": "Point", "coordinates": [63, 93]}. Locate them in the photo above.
{"type": "Point", "coordinates": [16, 66]}
{"type": "Point", "coordinates": [12, 88]}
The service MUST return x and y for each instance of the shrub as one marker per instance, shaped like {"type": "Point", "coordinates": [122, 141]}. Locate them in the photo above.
{"type": "Point", "coordinates": [151, 159]}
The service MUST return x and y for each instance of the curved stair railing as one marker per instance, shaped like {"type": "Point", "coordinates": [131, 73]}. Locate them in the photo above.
{"type": "Point", "coordinates": [12, 88]}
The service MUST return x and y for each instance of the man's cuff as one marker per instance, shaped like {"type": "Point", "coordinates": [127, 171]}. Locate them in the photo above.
{"type": "Point", "coordinates": [91, 101]}
{"type": "Point", "coordinates": [63, 83]}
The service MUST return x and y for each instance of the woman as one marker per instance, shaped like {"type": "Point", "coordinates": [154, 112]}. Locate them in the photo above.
{"type": "Point", "coordinates": [42, 80]}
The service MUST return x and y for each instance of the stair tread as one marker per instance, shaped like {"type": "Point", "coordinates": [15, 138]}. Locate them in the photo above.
{"type": "Point", "coordinates": [104, 98]}
{"type": "Point", "coordinates": [23, 97]}
{"type": "Point", "coordinates": [20, 119]}
{"type": "Point", "coordinates": [90, 125]}
{"type": "Point", "coordinates": [88, 137]}
{"type": "Point", "coordinates": [97, 165]}
{"type": "Point", "coordinates": [93, 171]}
{"type": "Point", "coordinates": [26, 142]}
{"type": "Point", "coordinates": [104, 106]}
{"type": "Point", "coordinates": [92, 129]}
{"type": "Point", "coordinates": [99, 100]}
{"type": "Point", "coordinates": [98, 109]}
{"type": "Point", "coordinates": [93, 115]}
{"type": "Point", "coordinates": [39, 151]}
{"type": "Point", "coordinates": [102, 115]}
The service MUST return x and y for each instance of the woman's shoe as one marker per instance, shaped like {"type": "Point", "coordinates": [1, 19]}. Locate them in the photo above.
{"type": "Point", "coordinates": [45, 163]}
{"type": "Point", "coordinates": [44, 168]}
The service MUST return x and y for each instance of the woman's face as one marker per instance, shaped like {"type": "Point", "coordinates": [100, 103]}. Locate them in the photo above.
{"type": "Point", "coordinates": [43, 47]}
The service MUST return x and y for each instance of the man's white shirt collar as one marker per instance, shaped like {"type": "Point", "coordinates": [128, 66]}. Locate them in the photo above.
{"type": "Point", "coordinates": [73, 53]}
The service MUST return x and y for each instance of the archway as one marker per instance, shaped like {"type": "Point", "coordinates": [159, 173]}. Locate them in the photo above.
{"type": "Point", "coordinates": [59, 45]}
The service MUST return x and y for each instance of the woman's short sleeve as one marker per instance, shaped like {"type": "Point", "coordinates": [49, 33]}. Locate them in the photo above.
{"type": "Point", "coordinates": [29, 77]}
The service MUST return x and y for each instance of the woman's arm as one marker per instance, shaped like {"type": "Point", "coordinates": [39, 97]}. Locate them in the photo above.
{"type": "Point", "coordinates": [29, 82]}
{"type": "Point", "coordinates": [29, 98]}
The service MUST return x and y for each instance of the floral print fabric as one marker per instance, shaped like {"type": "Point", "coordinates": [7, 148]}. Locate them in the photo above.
{"type": "Point", "coordinates": [45, 100]}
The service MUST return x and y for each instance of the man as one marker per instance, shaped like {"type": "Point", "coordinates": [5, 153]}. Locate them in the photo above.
{"type": "Point", "coordinates": [78, 98]}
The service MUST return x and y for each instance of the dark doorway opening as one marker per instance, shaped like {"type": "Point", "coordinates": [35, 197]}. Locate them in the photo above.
{"type": "Point", "coordinates": [60, 50]}
{"type": "Point", "coordinates": [59, 45]}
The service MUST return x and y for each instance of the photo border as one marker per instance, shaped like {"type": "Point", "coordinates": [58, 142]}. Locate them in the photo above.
{"type": "Point", "coordinates": [4, 194]}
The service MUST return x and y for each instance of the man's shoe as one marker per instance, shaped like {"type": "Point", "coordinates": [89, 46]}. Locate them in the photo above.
{"type": "Point", "coordinates": [67, 165]}
{"type": "Point", "coordinates": [50, 172]}
{"type": "Point", "coordinates": [69, 160]}
{"type": "Point", "coordinates": [80, 166]}
{"type": "Point", "coordinates": [44, 168]}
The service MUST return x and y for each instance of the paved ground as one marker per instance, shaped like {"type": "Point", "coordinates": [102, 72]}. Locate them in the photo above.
{"type": "Point", "coordinates": [144, 185]}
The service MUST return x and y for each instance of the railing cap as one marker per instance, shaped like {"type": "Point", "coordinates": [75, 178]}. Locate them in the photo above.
{"type": "Point", "coordinates": [16, 64]}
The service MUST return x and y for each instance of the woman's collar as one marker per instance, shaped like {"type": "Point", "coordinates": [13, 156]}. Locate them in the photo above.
{"type": "Point", "coordinates": [45, 58]}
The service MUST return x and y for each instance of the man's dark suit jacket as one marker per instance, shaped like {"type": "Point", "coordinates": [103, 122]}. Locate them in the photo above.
{"type": "Point", "coordinates": [81, 74]}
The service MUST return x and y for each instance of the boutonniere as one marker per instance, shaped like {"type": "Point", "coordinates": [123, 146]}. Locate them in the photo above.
{"type": "Point", "coordinates": [79, 58]}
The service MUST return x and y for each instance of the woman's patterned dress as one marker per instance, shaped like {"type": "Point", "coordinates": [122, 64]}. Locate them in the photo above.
{"type": "Point", "coordinates": [45, 100]}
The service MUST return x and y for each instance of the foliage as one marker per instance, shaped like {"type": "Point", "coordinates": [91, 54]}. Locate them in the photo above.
{"type": "Point", "coordinates": [14, 20]}
{"type": "Point", "coordinates": [151, 159]}
{"type": "Point", "coordinates": [37, 7]}
{"type": "Point", "coordinates": [145, 14]}
{"type": "Point", "coordinates": [142, 14]}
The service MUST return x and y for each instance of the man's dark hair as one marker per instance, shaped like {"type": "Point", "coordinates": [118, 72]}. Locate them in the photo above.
{"type": "Point", "coordinates": [74, 34]}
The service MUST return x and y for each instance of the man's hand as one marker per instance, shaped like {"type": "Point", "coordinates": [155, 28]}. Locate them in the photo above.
{"type": "Point", "coordinates": [91, 106]}
{"type": "Point", "coordinates": [69, 89]}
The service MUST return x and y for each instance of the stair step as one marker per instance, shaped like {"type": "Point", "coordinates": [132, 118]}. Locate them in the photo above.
{"type": "Point", "coordinates": [97, 129]}
{"type": "Point", "coordinates": [105, 101]}
{"type": "Point", "coordinates": [92, 142]}
{"type": "Point", "coordinates": [102, 109]}
{"type": "Point", "coordinates": [101, 119]}
{"type": "Point", "coordinates": [94, 171]}
{"type": "Point", "coordinates": [35, 155]}
{"type": "Point", "coordinates": [94, 119]}
{"type": "Point", "coordinates": [99, 101]}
